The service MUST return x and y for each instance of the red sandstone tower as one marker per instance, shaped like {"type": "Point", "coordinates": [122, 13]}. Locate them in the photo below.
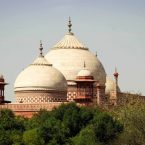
{"type": "Point", "coordinates": [85, 83]}
{"type": "Point", "coordinates": [2, 88]}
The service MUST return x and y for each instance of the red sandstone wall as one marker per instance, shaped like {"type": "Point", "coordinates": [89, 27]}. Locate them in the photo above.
{"type": "Point", "coordinates": [27, 110]}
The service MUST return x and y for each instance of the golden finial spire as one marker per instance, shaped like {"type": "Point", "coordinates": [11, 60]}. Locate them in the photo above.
{"type": "Point", "coordinates": [69, 25]}
{"type": "Point", "coordinates": [41, 48]}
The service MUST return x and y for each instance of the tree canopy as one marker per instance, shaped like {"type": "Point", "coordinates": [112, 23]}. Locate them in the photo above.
{"type": "Point", "coordinates": [70, 124]}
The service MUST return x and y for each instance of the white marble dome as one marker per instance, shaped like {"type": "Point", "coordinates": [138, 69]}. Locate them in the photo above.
{"type": "Point", "coordinates": [69, 54]}
{"type": "Point", "coordinates": [40, 75]}
{"type": "Point", "coordinates": [110, 86]}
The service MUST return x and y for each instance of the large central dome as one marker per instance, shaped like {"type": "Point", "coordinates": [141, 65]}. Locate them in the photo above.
{"type": "Point", "coordinates": [68, 56]}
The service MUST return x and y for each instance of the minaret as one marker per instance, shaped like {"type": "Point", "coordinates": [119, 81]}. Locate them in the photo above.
{"type": "Point", "coordinates": [2, 88]}
{"type": "Point", "coordinates": [116, 74]}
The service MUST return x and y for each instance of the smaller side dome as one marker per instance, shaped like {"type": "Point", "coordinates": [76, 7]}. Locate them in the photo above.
{"type": "Point", "coordinates": [85, 73]}
{"type": "Point", "coordinates": [40, 75]}
{"type": "Point", "coordinates": [40, 82]}
{"type": "Point", "coordinates": [110, 86]}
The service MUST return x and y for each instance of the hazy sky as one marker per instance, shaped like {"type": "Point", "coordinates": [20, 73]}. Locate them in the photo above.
{"type": "Point", "coordinates": [113, 28]}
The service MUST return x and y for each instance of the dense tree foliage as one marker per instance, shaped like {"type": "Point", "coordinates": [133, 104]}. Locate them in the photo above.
{"type": "Point", "coordinates": [66, 125]}
{"type": "Point", "coordinates": [11, 128]}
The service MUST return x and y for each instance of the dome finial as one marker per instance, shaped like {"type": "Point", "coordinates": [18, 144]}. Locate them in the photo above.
{"type": "Point", "coordinates": [69, 25]}
{"type": "Point", "coordinates": [84, 64]}
{"type": "Point", "coordinates": [96, 54]}
{"type": "Point", "coordinates": [41, 48]}
{"type": "Point", "coordinates": [115, 69]}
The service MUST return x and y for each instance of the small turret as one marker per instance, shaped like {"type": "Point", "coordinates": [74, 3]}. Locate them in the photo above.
{"type": "Point", "coordinates": [84, 81]}
{"type": "Point", "coordinates": [2, 88]}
